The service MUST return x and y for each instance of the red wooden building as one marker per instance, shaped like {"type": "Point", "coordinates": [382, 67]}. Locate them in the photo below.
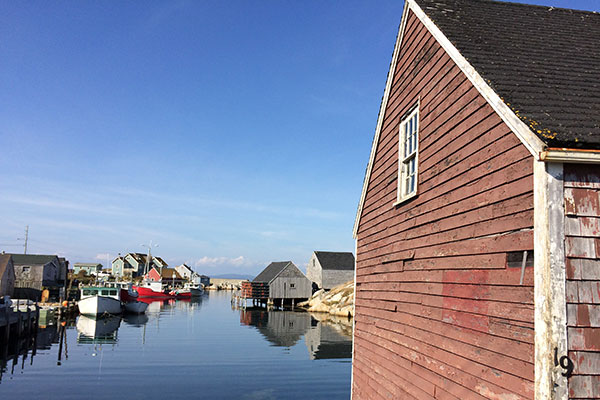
{"type": "Point", "coordinates": [166, 275]}
{"type": "Point", "coordinates": [478, 228]}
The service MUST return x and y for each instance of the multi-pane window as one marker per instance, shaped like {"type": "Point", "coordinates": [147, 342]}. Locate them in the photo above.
{"type": "Point", "coordinates": [409, 147]}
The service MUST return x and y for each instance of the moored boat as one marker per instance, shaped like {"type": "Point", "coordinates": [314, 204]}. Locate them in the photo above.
{"type": "Point", "coordinates": [135, 307]}
{"type": "Point", "coordinates": [152, 289]}
{"type": "Point", "coordinates": [196, 289]}
{"type": "Point", "coordinates": [128, 294]}
{"type": "Point", "coordinates": [97, 300]}
{"type": "Point", "coordinates": [181, 293]}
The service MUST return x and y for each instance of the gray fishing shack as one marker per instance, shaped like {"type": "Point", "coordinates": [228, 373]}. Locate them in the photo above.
{"type": "Point", "coordinates": [283, 282]}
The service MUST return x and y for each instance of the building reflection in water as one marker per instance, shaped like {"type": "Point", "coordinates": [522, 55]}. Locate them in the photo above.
{"type": "Point", "coordinates": [329, 337]}
{"type": "Point", "coordinates": [325, 336]}
{"type": "Point", "coordinates": [20, 351]}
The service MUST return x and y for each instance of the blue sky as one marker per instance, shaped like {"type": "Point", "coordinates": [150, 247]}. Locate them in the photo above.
{"type": "Point", "coordinates": [231, 133]}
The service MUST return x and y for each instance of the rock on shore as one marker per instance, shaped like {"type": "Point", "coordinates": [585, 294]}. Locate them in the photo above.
{"type": "Point", "coordinates": [338, 301]}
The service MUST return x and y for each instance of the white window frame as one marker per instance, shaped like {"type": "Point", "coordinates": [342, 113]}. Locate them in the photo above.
{"type": "Point", "coordinates": [408, 150]}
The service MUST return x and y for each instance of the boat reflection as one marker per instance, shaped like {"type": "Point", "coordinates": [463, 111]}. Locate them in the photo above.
{"type": "Point", "coordinates": [325, 336]}
{"type": "Point", "coordinates": [155, 306]}
{"type": "Point", "coordinates": [97, 330]}
{"type": "Point", "coordinates": [138, 320]}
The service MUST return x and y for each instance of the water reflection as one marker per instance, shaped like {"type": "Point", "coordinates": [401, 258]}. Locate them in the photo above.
{"type": "Point", "coordinates": [97, 330]}
{"type": "Point", "coordinates": [155, 306]}
{"type": "Point", "coordinates": [330, 337]}
{"type": "Point", "coordinates": [20, 351]}
{"type": "Point", "coordinates": [202, 338]}
{"type": "Point", "coordinates": [138, 320]}
{"type": "Point", "coordinates": [325, 336]}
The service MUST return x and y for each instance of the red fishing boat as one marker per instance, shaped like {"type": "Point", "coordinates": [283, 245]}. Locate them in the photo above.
{"type": "Point", "coordinates": [154, 290]}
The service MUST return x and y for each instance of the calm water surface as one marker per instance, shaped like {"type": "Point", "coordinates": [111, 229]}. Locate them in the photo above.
{"type": "Point", "coordinates": [183, 350]}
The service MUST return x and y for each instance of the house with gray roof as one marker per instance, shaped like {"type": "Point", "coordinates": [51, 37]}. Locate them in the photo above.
{"type": "Point", "coordinates": [327, 269]}
{"type": "Point", "coordinates": [36, 272]}
{"type": "Point", "coordinates": [281, 281]}
{"type": "Point", "coordinates": [7, 275]}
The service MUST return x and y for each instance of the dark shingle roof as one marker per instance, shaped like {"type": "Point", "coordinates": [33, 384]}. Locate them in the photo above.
{"type": "Point", "coordinates": [271, 271]}
{"type": "Point", "coordinates": [4, 261]}
{"type": "Point", "coordinates": [335, 260]}
{"type": "Point", "coordinates": [167, 273]}
{"type": "Point", "coordinates": [544, 62]}
{"type": "Point", "coordinates": [163, 261]}
{"type": "Point", "coordinates": [32, 259]}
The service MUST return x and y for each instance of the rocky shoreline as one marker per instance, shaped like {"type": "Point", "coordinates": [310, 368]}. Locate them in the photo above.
{"type": "Point", "coordinates": [338, 301]}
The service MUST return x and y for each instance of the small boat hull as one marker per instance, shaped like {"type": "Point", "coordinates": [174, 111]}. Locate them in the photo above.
{"type": "Point", "coordinates": [99, 305]}
{"type": "Point", "coordinates": [181, 294]}
{"type": "Point", "coordinates": [128, 295]}
{"type": "Point", "coordinates": [136, 307]}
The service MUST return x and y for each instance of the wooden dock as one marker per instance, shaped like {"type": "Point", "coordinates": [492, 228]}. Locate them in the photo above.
{"type": "Point", "coordinates": [19, 319]}
{"type": "Point", "coordinates": [259, 294]}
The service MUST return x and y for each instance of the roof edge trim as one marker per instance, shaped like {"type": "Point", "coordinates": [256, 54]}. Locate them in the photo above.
{"type": "Point", "coordinates": [519, 128]}
{"type": "Point", "coordinates": [565, 155]}
{"type": "Point", "coordinates": [384, 101]}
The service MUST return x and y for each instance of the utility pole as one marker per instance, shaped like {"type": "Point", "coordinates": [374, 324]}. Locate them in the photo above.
{"type": "Point", "coordinates": [25, 239]}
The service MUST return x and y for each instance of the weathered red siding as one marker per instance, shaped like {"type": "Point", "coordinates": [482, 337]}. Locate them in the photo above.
{"type": "Point", "coordinates": [582, 231]}
{"type": "Point", "coordinates": [438, 312]}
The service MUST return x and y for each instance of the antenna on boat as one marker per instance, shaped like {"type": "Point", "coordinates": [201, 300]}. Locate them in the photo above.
{"type": "Point", "coordinates": [149, 258]}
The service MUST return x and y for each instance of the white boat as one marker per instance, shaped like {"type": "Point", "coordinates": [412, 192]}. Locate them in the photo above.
{"type": "Point", "coordinates": [135, 307]}
{"type": "Point", "coordinates": [99, 300]}
{"type": "Point", "coordinates": [196, 289]}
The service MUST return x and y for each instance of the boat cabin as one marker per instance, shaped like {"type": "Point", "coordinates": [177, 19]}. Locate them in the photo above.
{"type": "Point", "coordinates": [90, 291]}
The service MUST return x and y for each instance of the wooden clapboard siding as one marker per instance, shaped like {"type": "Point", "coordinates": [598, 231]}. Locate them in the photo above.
{"type": "Point", "coordinates": [439, 314]}
{"type": "Point", "coordinates": [582, 248]}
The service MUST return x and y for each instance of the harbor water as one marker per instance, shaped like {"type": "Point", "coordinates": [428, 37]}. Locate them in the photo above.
{"type": "Point", "coordinates": [202, 348]}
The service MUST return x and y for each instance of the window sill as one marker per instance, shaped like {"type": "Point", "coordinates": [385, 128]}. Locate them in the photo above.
{"type": "Point", "coordinates": [404, 199]}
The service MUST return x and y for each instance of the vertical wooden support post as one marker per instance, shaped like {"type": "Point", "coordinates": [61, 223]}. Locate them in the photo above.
{"type": "Point", "coordinates": [7, 328]}
{"type": "Point", "coordinates": [549, 280]}
{"type": "Point", "coordinates": [19, 320]}
{"type": "Point", "coordinates": [37, 319]}
{"type": "Point", "coordinates": [28, 319]}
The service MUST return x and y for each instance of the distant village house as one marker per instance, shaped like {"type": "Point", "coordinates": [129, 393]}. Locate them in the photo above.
{"type": "Point", "coordinates": [134, 264]}
{"type": "Point", "coordinates": [186, 272]}
{"type": "Point", "coordinates": [88, 268]}
{"type": "Point", "coordinates": [189, 274]}
{"type": "Point", "coordinates": [7, 275]}
{"type": "Point", "coordinates": [166, 275]}
{"type": "Point", "coordinates": [327, 269]}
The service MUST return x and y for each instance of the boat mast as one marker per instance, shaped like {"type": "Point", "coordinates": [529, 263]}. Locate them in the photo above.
{"type": "Point", "coordinates": [149, 258]}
